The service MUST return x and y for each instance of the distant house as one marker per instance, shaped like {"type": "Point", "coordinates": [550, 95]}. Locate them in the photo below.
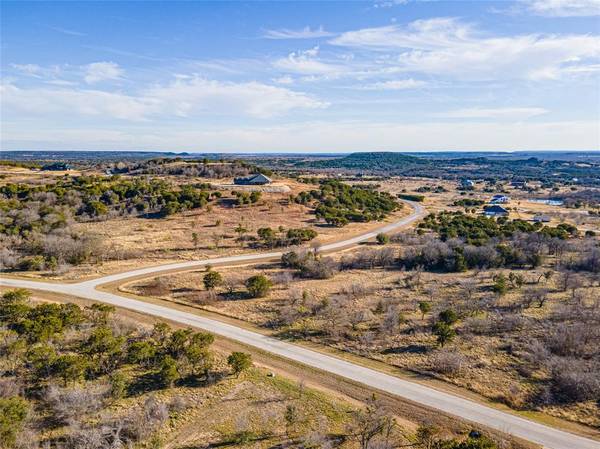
{"type": "Point", "coordinates": [56, 166]}
{"type": "Point", "coordinates": [466, 184]}
{"type": "Point", "coordinates": [253, 180]}
{"type": "Point", "coordinates": [541, 218]}
{"type": "Point", "coordinates": [495, 211]}
{"type": "Point", "coordinates": [519, 184]}
{"type": "Point", "coordinates": [500, 199]}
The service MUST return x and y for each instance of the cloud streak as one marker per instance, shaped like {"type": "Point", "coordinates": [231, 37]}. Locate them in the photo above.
{"type": "Point", "coordinates": [304, 33]}
{"type": "Point", "coordinates": [493, 113]}
{"type": "Point", "coordinates": [447, 47]}
{"type": "Point", "coordinates": [564, 8]}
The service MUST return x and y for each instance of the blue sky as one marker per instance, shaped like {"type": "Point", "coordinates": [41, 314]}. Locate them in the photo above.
{"type": "Point", "coordinates": [398, 75]}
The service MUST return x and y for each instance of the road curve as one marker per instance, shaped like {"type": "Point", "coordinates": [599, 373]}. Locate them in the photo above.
{"type": "Point", "coordinates": [418, 212]}
{"type": "Point", "coordinates": [448, 403]}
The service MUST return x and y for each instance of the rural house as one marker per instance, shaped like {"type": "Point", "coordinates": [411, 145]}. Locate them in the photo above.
{"type": "Point", "coordinates": [253, 180]}
{"type": "Point", "coordinates": [495, 211]}
{"type": "Point", "coordinates": [499, 199]}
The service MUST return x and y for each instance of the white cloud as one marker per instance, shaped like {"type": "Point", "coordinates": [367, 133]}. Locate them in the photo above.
{"type": "Point", "coordinates": [449, 47]}
{"type": "Point", "coordinates": [184, 97]}
{"type": "Point", "coordinates": [389, 3]}
{"type": "Point", "coordinates": [394, 85]}
{"type": "Point", "coordinates": [304, 33]}
{"type": "Point", "coordinates": [307, 63]}
{"type": "Point", "coordinates": [197, 95]}
{"type": "Point", "coordinates": [564, 8]}
{"type": "Point", "coordinates": [29, 69]}
{"type": "Point", "coordinates": [102, 71]}
{"type": "Point", "coordinates": [286, 79]}
{"type": "Point", "coordinates": [493, 113]}
{"type": "Point", "coordinates": [48, 101]}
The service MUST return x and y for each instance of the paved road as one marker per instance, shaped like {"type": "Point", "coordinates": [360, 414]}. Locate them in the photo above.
{"type": "Point", "coordinates": [448, 403]}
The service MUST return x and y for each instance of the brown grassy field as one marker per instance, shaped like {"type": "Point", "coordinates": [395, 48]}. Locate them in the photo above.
{"type": "Point", "coordinates": [131, 242]}
{"type": "Point", "coordinates": [490, 363]}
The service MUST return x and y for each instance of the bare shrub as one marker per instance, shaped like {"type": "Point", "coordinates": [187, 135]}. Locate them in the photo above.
{"type": "Point", "coordinates": [537, 353]}
{"type": "Point", "coordinates": [283, 278]}
{"type": "Point", "coordinates": [86, 438]}
{"type": "Point", "coordinates": [514, 396]}
{"type": "Point", "coordinates": [157, 287]}
{"type": "Point", "coordinates": [205, 298]}
{"type": "Point", "coordinates": [70, 247]}
{"type": "Point", "coordinates": [70, 405]}
{"type": "Point", "coordinates": [369, 259]}
{"type": "Point", "coordinates": [232, 282]}
{"type": "Point", "coordinates": [8, 258]}
{"type": "Point", "coordinates": [575, 340]}
{"type": "Point", "coordinates": [575, 379]}
{"type": "Point", "coordinates": [356, 290]}
{"type": "Point", "coordinates": [140, 424]}
{"type": "Point", "coordinates": [9, 387]}
{"type": "Point", "coordinates": [447, 362]}
{"type": "Point", "coordinates": [478, 325]}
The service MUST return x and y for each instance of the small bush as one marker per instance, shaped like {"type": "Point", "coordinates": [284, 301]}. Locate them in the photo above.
{"type": "Point", "coordinates": [383, 239]}
{"type": "Point", "coordinates": [448, 362]}
{"type": "Point", "coordinates": [258, 286]}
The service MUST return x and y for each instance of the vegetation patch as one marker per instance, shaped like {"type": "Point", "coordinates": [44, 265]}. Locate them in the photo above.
{"type": "Point", "coordinates": [338, 203]}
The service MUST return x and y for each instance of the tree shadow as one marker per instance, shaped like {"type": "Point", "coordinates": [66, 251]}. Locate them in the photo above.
{"type": "Point", "coordinates": [145, 383]}
{"type": "Point", "coordinates": [409, 349]}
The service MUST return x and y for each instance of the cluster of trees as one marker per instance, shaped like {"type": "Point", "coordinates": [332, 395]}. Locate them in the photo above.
{"type": "Point", "coordinates": [36, 220]}
{"type": "Point", "coordinates": [38, 329]}
{"type": "Point", "coordinates": [338, 203]}
{"type": "Point", "coordinates": [242, 198]}
{"type": "Point", "coordinates": [411, 197]}
{"type": "Point", "coordinates": [22, 164]}
{"type": "Point", "coordinates": [434, 189]}
{"type": "Point", "coordinates": [93, 197]}
{"type": "Point", "coordinates": [310, 264]}
{"type": "Point", "coordinates": [478, 230]}
{"type": "Point", "coordinates": [281, 237]}
{"type": "Point", "coordinates": [257, 286]}
{"type": "Point", "coordinates": [205, 168]}
{"type": "Point", "coordinates": [584, 198]}
{"type": "Point", "coordinates": [468, 202]}
{"type": "Point", "coordinates": [78, 360]}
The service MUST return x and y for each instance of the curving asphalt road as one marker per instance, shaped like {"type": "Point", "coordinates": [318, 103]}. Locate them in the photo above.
{"type": "Point", "coordinates": [448, 403]}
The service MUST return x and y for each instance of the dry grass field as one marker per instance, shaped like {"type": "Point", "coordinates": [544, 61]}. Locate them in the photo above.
{"type": "Point", "coordinates": [131, 242]}
{"type": "Point", "coordinates": [487, 356]}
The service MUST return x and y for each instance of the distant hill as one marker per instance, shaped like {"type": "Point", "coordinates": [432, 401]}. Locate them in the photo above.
{"type": "Point", "coordinates": [470, 165]}
{"type": "Point", "coordinates": [378, 161]}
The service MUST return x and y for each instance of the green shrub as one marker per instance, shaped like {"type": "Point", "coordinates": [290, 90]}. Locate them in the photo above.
{"type": "Point", "coordinates": [212, 280]}
{"type": "Point", "coordinates": [32, 263]}
{"type": "Point", "coordinates": [258, 286]}
{"type": "Point", "coordinates": [168, 372]}
{"type": "Point", "coordinates": [383, 239]}
{"type": "Point", "coordinates": [13, 412]}
{"type": "Point", "coordinates": [239, 361]}
{"type": "Point", "coordinates": [411, 197]}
